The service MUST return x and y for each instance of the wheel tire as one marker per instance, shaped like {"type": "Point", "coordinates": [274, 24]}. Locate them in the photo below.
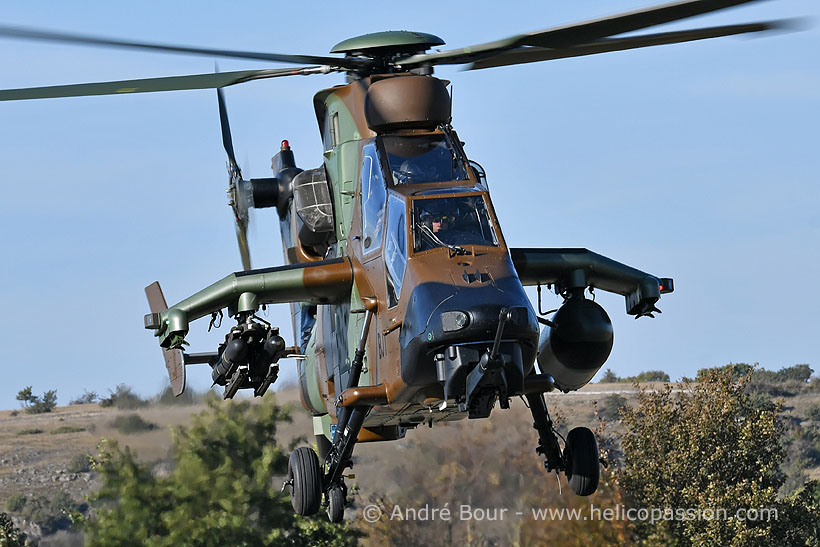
{"type": "Point", "coordinates": [306, 481]}
{"type": "Point", "coordinates": [322, 446]}
{"type": "Point", "coordinates": [336, 504]}
{"type": "Point", "coordinates": [581, 457]}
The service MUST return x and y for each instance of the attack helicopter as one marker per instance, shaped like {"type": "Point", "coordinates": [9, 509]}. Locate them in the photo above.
{"type": "Point", "coordinates": [408, 305]}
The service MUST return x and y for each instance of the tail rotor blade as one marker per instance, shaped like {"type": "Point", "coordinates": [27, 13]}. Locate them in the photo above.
{"type": "Point", "coordinates": [242, 241]}
{"type": "Point", "coordinates": [173, 357]}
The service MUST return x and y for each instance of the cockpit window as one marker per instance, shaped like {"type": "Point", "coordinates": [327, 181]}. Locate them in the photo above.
{"type": "Point", "coordinates": [415, 159]}
{"type": "Point", "coordinates": [374, 196]}
{"type": "Point", "coordinates": [395, 248]}
{"type": "Point", "coordinates": [452, 222]}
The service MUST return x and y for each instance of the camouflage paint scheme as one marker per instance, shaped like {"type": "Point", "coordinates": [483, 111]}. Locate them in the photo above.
{"type": "Point", "coordinates": [398, 378]}
{"type": "Point", "coordinates": [394, 334]}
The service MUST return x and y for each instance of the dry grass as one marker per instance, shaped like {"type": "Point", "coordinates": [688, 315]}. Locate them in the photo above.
{"type": "Point", "coordinates": [30, 463]}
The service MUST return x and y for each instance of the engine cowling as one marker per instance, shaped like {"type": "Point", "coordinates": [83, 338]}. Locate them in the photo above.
{"type": "Point", "coordinates": [577, 346]}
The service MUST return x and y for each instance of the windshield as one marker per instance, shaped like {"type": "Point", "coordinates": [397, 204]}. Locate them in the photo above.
{"type": "Point", "coordinates": [452, 222]}
{"type": "Point", "coordinates": [415, 159]}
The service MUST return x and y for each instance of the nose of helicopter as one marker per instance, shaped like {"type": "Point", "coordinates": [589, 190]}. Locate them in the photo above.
{"type": "Point", "coordinates": [438, 318]}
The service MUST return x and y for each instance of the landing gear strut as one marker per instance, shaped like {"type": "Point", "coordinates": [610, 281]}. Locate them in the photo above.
{"type": "Point", "coordinates": [348, 425]}
{"type": "Point", "coordinates": [579, 459]}
{"type": "Point", "coordinates": [339, 459]}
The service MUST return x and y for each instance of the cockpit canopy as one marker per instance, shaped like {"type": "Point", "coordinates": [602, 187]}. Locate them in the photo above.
{"type": "Point", "coordinates": [452, 222]}
{"type": "Point", "coordinates": [419, 159]}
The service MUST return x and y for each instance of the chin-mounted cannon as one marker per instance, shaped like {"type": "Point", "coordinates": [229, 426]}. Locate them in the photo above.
{"type": "Point", "coordinates": [249, 356]}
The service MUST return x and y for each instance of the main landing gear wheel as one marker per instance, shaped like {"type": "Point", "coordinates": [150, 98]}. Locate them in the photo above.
{"type": "Point", "coordinates": [336, 504]}
{"type": "Point", "coordinates": [581, 458]}
{"type": "Point", "coordinates": [305, 480]}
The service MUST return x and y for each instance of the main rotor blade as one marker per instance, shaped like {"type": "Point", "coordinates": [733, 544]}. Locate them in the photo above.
{"type": "Point", "coordinates": [534, 54]}
{"type": "Point", "coordinates": [51, 36]}
{"type": "Point", "coordinates": [577, 33]}
{"type": "Point", "coordinates": [147, 85]}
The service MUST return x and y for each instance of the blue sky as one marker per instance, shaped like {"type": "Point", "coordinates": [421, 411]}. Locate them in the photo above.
{"type": "Point", "coordinates": [695, 161]}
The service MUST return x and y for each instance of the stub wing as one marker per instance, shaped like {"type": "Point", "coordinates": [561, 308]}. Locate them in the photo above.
{"type": "Point", "coordinates": [242, 293]}
{"type": "Point", "coordinates": [581, 268]}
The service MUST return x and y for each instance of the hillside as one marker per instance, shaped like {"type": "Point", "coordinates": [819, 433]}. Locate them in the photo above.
{"type": "Point", "coordinates": [44, 454]}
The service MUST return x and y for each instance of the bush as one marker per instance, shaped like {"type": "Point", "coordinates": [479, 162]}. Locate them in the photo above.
{"type": "Point", "coordinates": [16, 502]}
{"type": "Point", "coordinates": [67, 429]}
{"type": "Point", "coordinates": [50, 512]}
{"type": "Point", "coordinates": [219, 491]}
{"type": "Point", "coordinates": [710, 447]}
{"type": "Point", "coordinates": [37, 405]}
{"type": "Point", "coordinates": [123, 398]}
{"type": "Point", "coordinates": [188, 397]}
{"type": "Point", "coordinates": [30, 431]}
{"type": "Point", "coordinates": [132, 423]}
{"type": "Point", "coordinates": [86, 398]}
{"type": "Point", "coordinates": [782, 383]}
{"type": "Point", "coordinates": [9, 535]}
{"type": "Point", "coordinates": [813, 412]}
{"type": "Point", "coordinates": [80, 463]}
{"type": "Point", "coordinates": [807, 440]}
{"type": "Point", "coordinates": [610, 409]}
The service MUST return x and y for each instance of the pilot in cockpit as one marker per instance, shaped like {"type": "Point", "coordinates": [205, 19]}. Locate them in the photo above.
{"type": "Point", "coordinates": [452, 222]}
{"type": "Point", "coordinates": [439, 223]}
{"type": "Point", "coordinates": [440, 227]}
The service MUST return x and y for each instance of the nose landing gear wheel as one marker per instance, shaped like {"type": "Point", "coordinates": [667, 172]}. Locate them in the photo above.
{"type": "Point", "coordinates": [305, 480]}
{"type": "Point", "coordinates": [336, 504]}
{"type": "Point", "coordinates": [582, 465]}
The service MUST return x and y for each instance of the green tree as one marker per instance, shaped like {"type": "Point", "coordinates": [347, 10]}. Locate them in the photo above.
{"type": "Point", "coordinates": [609, 377]}
{"type": "Point", "coordinates": [796, 373]}
{"type": "Point", "coordinates": [645, 376]}
{"type": "Point", "coordinates": [37, 405]}
{"type": "Point", "coordinates": [220, 492]}
{"type": "Point", "coordinates": [88, 397]}
{"type": "Point", "coordinates": [736, 370]}
{"type": "Point", "coordinates": [650, 376]}
{"type": "Point", "coordinates": [123, 398]}
{"type": "Point", "coordinates": [710, 447]}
